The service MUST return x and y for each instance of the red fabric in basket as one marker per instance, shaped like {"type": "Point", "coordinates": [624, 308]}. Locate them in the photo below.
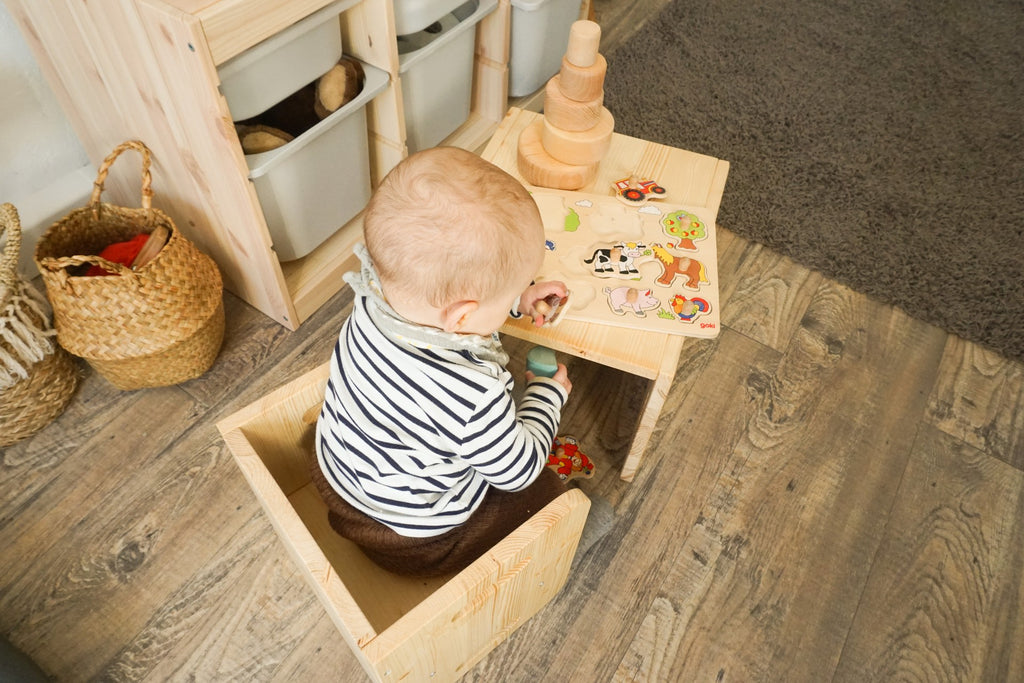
{"type": "Point", "coordinates": [120, 252]}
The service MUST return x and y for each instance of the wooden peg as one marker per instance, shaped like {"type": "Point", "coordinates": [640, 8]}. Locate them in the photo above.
{"type": "Point", "coordinates": [579, 147]}
{"type": "Point", "coordinates": [569, 114]}
{"type": "Point", "coordinates": [584, 39]}
{"type": "Point", "coordinates": [583, 83]}
{"type": "Point", "coordinates": [540, 168]}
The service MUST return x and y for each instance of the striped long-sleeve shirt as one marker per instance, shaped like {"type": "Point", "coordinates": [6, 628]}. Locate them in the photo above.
{"type": "Point", "coordinates": [413, 434]}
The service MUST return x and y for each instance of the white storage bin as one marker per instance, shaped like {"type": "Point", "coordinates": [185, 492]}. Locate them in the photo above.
{"type": "Point", "coordinates": [539, 37]}
{"type": "Point", "coordinates": [316, 183]}
{"type": "Point", "coordinates": [268, 72]}
{"type": "Point", "coordinates": [412, 16]}
{"type": "Point", "coordinates": [436, 70]}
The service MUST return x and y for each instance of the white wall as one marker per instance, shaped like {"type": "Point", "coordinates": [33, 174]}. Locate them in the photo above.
{"type": "Point", "coordinates": [44, 170]}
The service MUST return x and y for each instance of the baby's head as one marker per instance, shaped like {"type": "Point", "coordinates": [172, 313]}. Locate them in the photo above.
{"type": "Point", "coordinates": [447, 227]}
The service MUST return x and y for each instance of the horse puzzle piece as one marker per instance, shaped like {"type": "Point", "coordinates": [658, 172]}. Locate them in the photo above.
{"type": "Point", "coordinates": [568, 461]}
{"type": "Point", "coordinates": [691, 269]}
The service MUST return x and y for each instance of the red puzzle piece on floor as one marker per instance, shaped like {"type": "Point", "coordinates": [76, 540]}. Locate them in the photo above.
{"type": "Point", "coordinates": [568, 461]}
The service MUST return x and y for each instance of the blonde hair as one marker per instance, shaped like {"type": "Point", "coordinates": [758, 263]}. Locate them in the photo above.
{"type": "Point", "coordinates": [446, 225]}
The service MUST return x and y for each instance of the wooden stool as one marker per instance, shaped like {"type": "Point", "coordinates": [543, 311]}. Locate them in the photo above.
{"type": "Point", "coordinates": [400, 628]}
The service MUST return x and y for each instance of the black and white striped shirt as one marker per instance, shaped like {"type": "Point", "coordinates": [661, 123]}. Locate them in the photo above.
{"type": "Point", "coordinates": [413, 434]}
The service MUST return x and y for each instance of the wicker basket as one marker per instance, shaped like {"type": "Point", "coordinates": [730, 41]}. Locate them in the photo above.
{"type": "Point", "coordinates": [37, 377]}
{"type": "Point", "coordinates": [155, 325]}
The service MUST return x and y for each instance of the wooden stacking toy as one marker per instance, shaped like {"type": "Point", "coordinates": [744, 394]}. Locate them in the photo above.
{"type": "Point", "coordinates": [563, 149]}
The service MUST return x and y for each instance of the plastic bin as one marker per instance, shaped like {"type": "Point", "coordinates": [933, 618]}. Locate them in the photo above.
{"type": "Point", "coordinates": [539, 37]}
{"type": "Point", "coordinates": [316, 183]}
{"type": "Point", "coordinates": [268, 72]}
{"type": "Point", "coordinates": [436, 70]}
{"type": "Point", "coordinates": [412, 16]}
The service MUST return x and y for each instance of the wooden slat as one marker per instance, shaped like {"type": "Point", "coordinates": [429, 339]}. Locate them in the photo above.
{"type": "Point", "coordinates": [979, 398]}
{"type": "Point", "coordinates": [203, 139]}
{"type": "Point", "coordinates": [233, 26]}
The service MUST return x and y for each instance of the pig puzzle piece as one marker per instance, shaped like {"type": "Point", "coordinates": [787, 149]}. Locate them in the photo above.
{"type": "Point", "coordinates": [568, 461]}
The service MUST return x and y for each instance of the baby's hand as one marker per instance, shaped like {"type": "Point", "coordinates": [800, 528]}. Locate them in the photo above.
{"type": "Point", "coordinates": [561, 376]}
{"type": "Point", "coordinates": [535, 294]}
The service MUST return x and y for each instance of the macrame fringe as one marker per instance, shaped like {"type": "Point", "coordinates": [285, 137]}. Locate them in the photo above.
{"type": "Point", "coordinates": [24, 339]}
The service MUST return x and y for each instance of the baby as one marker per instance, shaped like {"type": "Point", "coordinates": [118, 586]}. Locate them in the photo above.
{"type": "Point", "coordinates": [422, 456]}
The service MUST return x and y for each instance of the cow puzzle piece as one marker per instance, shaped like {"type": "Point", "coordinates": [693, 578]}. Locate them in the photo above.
{"type": "Point", "coordinates": [617, 260]}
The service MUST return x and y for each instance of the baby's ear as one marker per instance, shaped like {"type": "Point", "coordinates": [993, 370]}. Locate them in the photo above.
{"type": "Point", "coordinates": [455, 315]}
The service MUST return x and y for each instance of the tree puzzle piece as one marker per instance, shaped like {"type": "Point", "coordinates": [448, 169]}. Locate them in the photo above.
{"type": "Point", "coordinates": [685, 227]}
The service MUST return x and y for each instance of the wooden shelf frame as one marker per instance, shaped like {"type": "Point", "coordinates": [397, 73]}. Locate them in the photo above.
{"type": "Point", "coordinates": [147, 69]}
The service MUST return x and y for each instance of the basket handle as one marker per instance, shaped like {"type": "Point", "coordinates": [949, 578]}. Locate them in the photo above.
{"type": "Point", "coordinates": [66, 262]}
{"type": "Point", "coordinates": [10, 224]}
{"type": "Point", "coordinates": [59, 267]}
{"type": "Point", "coordinates": [101, 177]}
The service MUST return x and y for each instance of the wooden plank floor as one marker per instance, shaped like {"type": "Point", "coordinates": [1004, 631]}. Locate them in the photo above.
{"type": "Point", "coordinates": [835, 491]}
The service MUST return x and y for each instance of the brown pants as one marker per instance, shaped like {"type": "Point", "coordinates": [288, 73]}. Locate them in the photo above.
{"type": "Point", "coordinates": [500, 513]}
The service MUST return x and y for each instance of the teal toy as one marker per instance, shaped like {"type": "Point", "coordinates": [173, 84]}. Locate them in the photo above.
{"type": "Point", "coordinates": [541, 361]}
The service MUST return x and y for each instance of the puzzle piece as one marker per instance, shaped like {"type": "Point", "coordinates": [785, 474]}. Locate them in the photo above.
{"type": "Point", "coordinates": [685, 227]}
{"type": "Point", "coordinates": [617, 259]}
{"type": "Point", "coordinates": [552, 307]}
{"type": "Point", "coordinates": [568, 461]}
{"type": "Point", "coordinates": [636, 301]}
{"type": "Point", "coordinates": [634, 191]}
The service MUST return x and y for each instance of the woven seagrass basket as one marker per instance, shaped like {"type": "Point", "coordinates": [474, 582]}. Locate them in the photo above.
{"type": "Point", "coordinates": [154, 325]}
{"type": "Point", "coordinates": [37, 377]}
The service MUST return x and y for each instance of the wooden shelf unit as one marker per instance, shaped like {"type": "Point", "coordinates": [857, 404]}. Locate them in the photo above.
{"type": "Point", "coordinates": [147, 69]}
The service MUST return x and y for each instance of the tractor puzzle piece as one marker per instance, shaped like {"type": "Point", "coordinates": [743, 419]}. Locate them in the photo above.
{"type": "Point", "coordinates": [633, 191]}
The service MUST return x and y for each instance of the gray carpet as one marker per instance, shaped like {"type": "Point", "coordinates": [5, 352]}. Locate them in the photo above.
{"type": "Point", "coordinates": [878, 142]}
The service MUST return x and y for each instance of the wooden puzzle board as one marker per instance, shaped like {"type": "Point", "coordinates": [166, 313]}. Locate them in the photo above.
{"type": "Point", "coordinates": [652, 267]}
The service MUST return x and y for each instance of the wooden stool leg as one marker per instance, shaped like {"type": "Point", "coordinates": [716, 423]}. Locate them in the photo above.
{"type": "Point", "coordinates": [652, 410]}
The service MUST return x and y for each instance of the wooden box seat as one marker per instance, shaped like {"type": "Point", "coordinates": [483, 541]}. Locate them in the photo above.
{"type": "Point", "coordinates": [400, 628]}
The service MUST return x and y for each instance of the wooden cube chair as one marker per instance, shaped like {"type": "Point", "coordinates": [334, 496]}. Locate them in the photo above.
{"type": "Point", "coordinates": [400, 628]}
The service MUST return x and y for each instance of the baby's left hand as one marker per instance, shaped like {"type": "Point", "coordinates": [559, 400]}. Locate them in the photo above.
{"type": "Point", "coordinates": [537, 293]}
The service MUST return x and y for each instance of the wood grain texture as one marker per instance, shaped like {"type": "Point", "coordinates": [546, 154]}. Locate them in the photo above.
{"type": "Point", "coordinates": [979, 398]}
{"type": "Point", "coordinates": [796, 483]}
{"type": "Point", "coordinates": [944, 598]}
{"type": "Point", "coordinates": [834, 492]}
